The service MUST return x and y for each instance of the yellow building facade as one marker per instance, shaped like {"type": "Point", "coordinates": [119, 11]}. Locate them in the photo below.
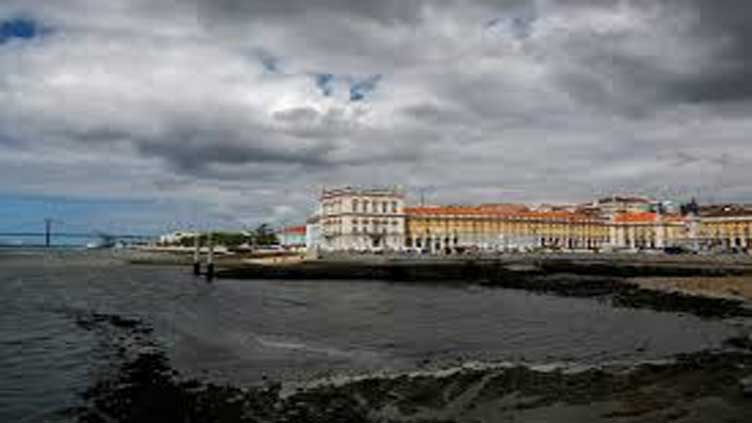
{"type": "Point", "coordinates": [377, 220]}
{"type": "Point", "coordinates": [647, 230]}
{"type": "Point", "coordinates": [724, 230]}
{"type": "Point", "coordinates": [448, 229]}
{"type": "Point", "coordinates": [453, 229]}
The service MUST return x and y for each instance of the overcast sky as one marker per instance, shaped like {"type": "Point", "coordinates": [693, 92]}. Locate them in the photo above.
{"type": "Point", "coordinates": [239, 111]}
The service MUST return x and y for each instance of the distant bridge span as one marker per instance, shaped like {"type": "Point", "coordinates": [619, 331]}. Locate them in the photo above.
{"type": "Point", "coordinates": [48, 234]}
{"type": "Point", "coordinates": [76, 235]}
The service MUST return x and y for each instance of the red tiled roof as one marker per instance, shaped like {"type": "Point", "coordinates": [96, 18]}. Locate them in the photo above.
{"type": "Point", "coordinates": [490, 211]}
{"type": "Point", "coordinates": [299, 230]}
{"type": "Point", "coordinates": [451, 210]}
{"type": "Point", "coordinates": [504, 207]}
{"type": "Point", "coordinates": [636, 217]}
{"type": "Point", "coordinates": [645, 217]}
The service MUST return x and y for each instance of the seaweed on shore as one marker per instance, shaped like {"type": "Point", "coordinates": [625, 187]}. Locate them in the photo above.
{"type": "Point", "coordinates": [622, 293]}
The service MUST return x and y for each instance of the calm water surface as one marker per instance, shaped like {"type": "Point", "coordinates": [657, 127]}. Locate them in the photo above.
{"type": "Point", "coordinates": [242, 331]}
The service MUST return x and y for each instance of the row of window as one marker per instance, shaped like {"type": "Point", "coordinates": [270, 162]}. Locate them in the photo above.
{"type": "Point", "coordinates": [357, 230]}
{"type": "Point", "coordinates": [356, 222]}
{"type": "Point", "coordinates": [366, 206]}
{"type": "Point", "coordinates": [375, 222]}
{"type": "Point", "coordinates": [363, 206]}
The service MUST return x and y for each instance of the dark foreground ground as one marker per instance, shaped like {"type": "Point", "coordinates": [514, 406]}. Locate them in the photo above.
{"type": "Point", "coordinates": [708, 386]}
{"type": "Point", "coordinates": [702, 387]}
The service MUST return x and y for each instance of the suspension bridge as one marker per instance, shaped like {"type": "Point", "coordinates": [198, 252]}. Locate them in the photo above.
{"type": "Point", "coordinates": [53, 231]}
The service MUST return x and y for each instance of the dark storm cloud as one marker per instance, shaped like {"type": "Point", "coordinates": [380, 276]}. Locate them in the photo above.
{"type": "Point", "coordinates": [729, 78]}
{"type": "Point", "coordinates": [189, 148]}
{"type": "Point", "coordinates": [191, 154]}
{"type": "Point", "coordinates": [608, 74]}
{"type": "Point", "coordinates": [606, 77]}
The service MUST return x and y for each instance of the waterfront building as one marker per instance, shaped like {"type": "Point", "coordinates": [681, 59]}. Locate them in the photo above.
{"type": "Point", "coordinates": [175, 237]}
{"type": "Point", "coordinates": [458, 228]}
{"type": "Point", "coordinates": [647, 230]}
{"type": "Point", "coordinates": [292, 237]}
{"type": "Point", "coordinates": [623, 204]}
{"type": "Point", "coordinates": [724, 227]}
{"type": "Point", "coordinates": [351, 219]}
{"type": "Point", "coordinates": [313, 235]}
{"type": "Point", "coordinates": [362, 219]}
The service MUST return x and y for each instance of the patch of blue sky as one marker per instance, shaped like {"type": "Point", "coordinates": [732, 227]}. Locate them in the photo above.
{"type": "Point", "coordinates": [21, 29]}
{"type": "Point", "coordinates": [269, 62]}
{"type": "Point", "coordinates": [325, 83]}
{"type": "Point", "coordinates": [26, 213]}
{"type": "Point", "coordinates": [361, 88]}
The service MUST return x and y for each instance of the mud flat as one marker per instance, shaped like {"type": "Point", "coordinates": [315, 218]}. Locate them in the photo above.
{"type": "Point", "coordinates": [489, 269]}
{"type": "Point", "coordinates": [621, 292]}
{"type": "Point", "coordinates": [731, 287]}
{"type": "Point", "coordinates": [141, 386]}
{"type": "Point", "coordinates": [636, 284]}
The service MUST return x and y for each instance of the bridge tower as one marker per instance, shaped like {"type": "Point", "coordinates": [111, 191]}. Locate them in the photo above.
{"type": "Point", "coordinates": [47, 232]}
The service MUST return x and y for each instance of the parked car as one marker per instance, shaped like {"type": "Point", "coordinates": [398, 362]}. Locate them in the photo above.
{"type": "Point", "coordinates": [675, 250]}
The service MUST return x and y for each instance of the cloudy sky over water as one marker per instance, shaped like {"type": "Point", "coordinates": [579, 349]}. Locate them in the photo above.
{"type": "Point", "coordinates": [240, 110]}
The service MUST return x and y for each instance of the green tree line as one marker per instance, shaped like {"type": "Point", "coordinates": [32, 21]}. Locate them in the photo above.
{"type": "Point", "coordinates": [261, 236]}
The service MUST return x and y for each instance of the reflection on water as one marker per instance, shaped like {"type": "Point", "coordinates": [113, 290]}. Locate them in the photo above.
{"type": "Point", "coordinates": [57, 306]}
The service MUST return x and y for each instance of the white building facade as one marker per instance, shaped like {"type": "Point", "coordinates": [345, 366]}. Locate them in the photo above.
{"type": "Point", "coordinates": [353, 219]}
{"type": "Point", "coordinates": [175, 237]}
{"type": "Point", "coordinates": [313, 234]}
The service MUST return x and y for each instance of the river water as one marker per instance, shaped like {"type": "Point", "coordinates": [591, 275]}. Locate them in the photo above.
{"type": "Point", "coordinates": [242, 332]}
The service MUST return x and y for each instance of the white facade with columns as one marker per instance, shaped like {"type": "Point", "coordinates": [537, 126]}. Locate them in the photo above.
{"type": "Point", "coordinates": [354, 219]}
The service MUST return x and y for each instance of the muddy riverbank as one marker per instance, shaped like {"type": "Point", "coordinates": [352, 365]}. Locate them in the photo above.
{"type": "Point", "coordinates": [490, 269]}
{"type": "Point", "coordinates": [699, 387]}
{"type": "Point", "coordinates": [705, 286]}
{"type": "Point", "coordinates": [623, 292]}
{"type": "Point", "coordinates": [729, 287]}
{"type": "Point", "coordinates": [650, 283]}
